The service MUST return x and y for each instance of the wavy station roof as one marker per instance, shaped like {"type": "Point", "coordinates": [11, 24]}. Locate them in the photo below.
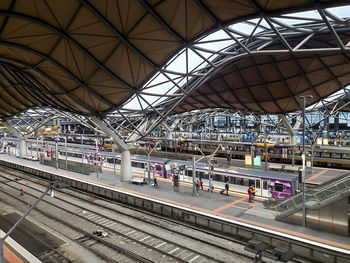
{"type": "Point", "coordinates": [273, 83]}
{"type": "Point", "coordinates": [91, 56]}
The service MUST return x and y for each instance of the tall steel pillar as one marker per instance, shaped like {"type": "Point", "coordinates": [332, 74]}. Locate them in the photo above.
{"type": "Point", "coordinates": [125, 167]}
{"type": "Point", "coordinates": [304, 158]}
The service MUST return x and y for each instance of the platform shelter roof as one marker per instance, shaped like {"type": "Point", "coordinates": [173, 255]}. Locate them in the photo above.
{"type": "Point", "coordinates": [92, 56]}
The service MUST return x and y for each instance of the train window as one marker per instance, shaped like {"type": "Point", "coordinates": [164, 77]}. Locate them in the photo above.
{"type": "Point", "coordinates": [257, 184]}
{"type": "Point", "coordinates": [158, 168]}
{"type": "Point", "coordinates": [201, 175]}
{"type": "Point", "coordinates": [117, 161]}
{"type": "Point", "coordinates": [239, 181]}
{"type": "Point", "coordinates": [346, 155]}
{"type": "Point", "coordinates": [141, 165]}
{"type": "Point", "coordinates": [206, 176]}
{"type": "Point", "coordinates": [265, 185]}
{"type": "Point", "coordinates": [232, 180]}
{"type": "Point", "coordinates": [189, 173]}
{"type": "Point", "coordinates": [217, 177]}
{"type": "Point", "coordinates": [335, 155]}
{"type": "Point", "coordinates": [317, 154]}
{"type": "Point", "coordinates": [252, 182]}
{"type": "Point", "coordinates": [278, 187]}
{"type": "Point", "coordinates": [328, 155]}
{"type": "Point", "coordinates": [133, 164]}
{"type": "Point", "coordinates": [246, 182]}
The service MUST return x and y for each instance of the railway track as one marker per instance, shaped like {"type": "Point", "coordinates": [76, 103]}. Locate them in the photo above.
{"type": "Point", "coordinates": [132, 231]}
{"type": "Point", "coordinates": [51, 255]}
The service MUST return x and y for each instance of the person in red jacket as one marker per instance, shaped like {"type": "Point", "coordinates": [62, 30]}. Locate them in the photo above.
{"type": "Point", "coordinates": [250, 194]}
{"type": "Point", "coordinates": [21, 191]}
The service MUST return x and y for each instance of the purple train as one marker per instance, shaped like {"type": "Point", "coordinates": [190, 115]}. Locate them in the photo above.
{"type": "Point", "coordinates": [267, 184]}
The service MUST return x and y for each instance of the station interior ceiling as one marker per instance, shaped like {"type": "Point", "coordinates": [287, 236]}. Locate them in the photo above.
{"type": "Point", "coordinates": [79, 57]}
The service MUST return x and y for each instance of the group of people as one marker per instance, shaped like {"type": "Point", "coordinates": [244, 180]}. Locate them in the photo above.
{"type": "Point", "coordinates": [199, 184]}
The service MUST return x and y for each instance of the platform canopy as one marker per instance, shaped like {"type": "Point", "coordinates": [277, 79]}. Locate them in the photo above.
{"type": "Point", "coordinates": [92, 57]}
{"type": "Point", "coordinates": [273, 81]}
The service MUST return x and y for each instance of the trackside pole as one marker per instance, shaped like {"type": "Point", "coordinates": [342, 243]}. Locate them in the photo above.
{"type": "Point", "coordinates": [194, 174]}
{"type": "Point", "coordinates": [114, 165]}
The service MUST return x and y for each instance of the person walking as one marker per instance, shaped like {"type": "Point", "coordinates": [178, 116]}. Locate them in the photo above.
{"type": "Point", "coordinates": [227, 187]}
{"type": "Point", "coordinates": [197, 186]}
{"type": "Point", "coordinates": [211, 185]}
{"type": "Point", "coordinates": [250, 194]}
{"type": "Point", "coordinates": [21, 191]}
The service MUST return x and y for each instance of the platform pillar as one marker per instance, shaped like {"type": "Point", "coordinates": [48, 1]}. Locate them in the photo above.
{"type": "Point", "coordinates": [170, 136]}
{"type": "Point", "coordinates": [23, 148]}
{"type": "Point", "coordinates": [125, 167]}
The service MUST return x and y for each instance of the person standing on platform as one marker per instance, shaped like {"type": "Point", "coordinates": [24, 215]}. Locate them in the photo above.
{"type": "Point", "coordinates": [155, 183]}
{"type": "Point", "coordinates": [201, 183]}
{"type": "Point", "coordinates": [211, 186]}
{"type": "Point", "coordinates": [250, 194]}
{"type": "Point", "coordinates": [227, 187]}
{"type": "Point", "coordinates": [253, 191]}
{"type": "Point", "coordinates": [21, 191]}
{"type": "Point", "coordinates": [197, 186]}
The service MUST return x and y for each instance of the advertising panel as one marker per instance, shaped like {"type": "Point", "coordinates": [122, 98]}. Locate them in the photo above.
{"type": "Point", "coordinates": [248, 159]}
{"type": "Point", "coordinates": [257, 161]}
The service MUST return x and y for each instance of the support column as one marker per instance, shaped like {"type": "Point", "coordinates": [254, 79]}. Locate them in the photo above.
{"type": "Point", "coordinates": [291, 131]}
{"type": "Point", "coordinates": [227, 124]}
{"type": "Point", "coordinates": [23, 144]}
{"type": "Point", "coordinates": [23, 149]}
{"type": "Point", "coordinates": [170, 137]}
{"type": "Point", "coordinates": [336, 123]}
{"type": "Point", "coordinates": [125, 168]}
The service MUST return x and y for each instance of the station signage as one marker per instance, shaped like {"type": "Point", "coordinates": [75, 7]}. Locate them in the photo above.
{"type": "Point", "coordinates": [325, 142]}
{"type": "Point", "coordinates": [48, 132]}
{"type": "Point", "coordinates": [319, 141]}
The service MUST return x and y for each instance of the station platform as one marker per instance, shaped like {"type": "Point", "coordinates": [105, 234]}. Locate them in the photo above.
{"type": "Point", "coordinates": [234, 206]}
{"type": "Point", "coordinates": [15, 253]}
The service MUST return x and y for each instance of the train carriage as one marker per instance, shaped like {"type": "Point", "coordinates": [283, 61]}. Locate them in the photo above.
{"type": "Point", "coordinates": [267, 184]}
